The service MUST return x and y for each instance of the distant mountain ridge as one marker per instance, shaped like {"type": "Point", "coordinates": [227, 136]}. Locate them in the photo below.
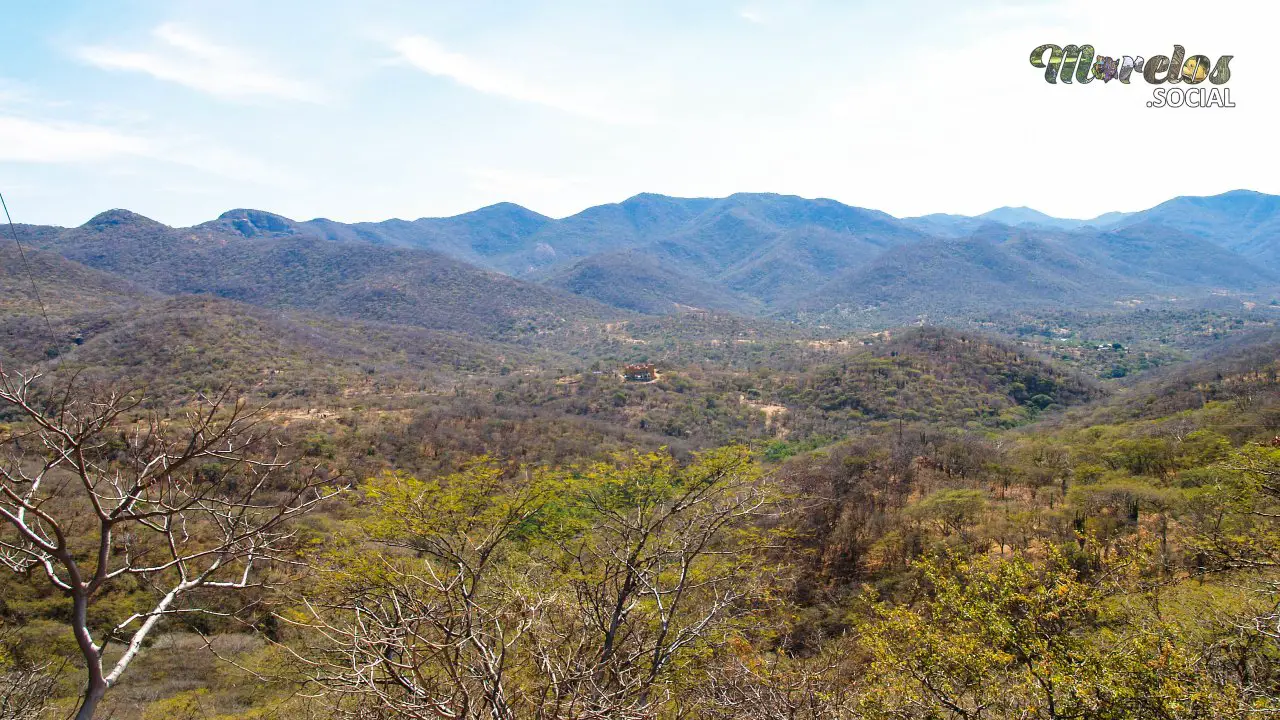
{"type": "Point", "coordinates": [270, 261]}
{"type": "Point", "coordinates": [960, 225]}
{"type": "Point", "coordinates": [749, 253]}
{"type": "Point", "coordinates": [1243, 221]}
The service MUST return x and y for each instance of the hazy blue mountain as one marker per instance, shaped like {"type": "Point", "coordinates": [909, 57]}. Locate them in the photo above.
{"type": "Point", "coordinates": [759, 248]}
{"type": "Point", "coordinates": [751, 253]}
{"type": "Point", "coordinates": [493, 231]}
{"type": "Point", "coordinates": [801, 260]}
{"type": "Point", "coordinates": [481, 237]}
{"type": "Point", "coordinates": [1244, 221]}
{"type": "Point", "coordinates": [515, 240]}
{"type": "Point", "coordinates": [1020, 216]}
{"type": "Point", "coordinates": [955, 277]}
{"type": "Point", "coordinates": [629, 224]}
{"type": "Point", "coordinates": [1002, 267]}
{"type": "Point", "coordinates": [478, 237]}
{"type": "Point", "coordinates": [716, 234]}
{"type": "Point", "coordinates": [1107, 219]}
{"type": "Point", "coordinates": [771, 246]}
{"type": "Point", "coordinates": [1171, 258]}
{"type": "Point", "coordinates": [638, 281]}
{"type": "Point", "coordinates": [945, 225]}
{"type": "Point", "coordinates": [1029, 217]}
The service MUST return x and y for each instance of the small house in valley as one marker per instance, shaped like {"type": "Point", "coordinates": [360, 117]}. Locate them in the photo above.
{"type": "Point", "coordinates": [645, 372]}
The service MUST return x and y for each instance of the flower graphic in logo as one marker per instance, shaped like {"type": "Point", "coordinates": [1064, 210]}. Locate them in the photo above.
{"type": "Point", "coordinates": [1105, 68]}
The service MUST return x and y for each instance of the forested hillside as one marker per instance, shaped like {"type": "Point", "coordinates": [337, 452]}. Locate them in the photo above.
{"type": "Point", "coordinates": [758, 254]}
{"type": "Point", "coordinates": [1243, 221]}
{"type": "Point", "coordinates": [260, 468]}
{"type": "Point", "coordinates": [908, 494]}
{"type": "Point", "coordinates": [351, 280]}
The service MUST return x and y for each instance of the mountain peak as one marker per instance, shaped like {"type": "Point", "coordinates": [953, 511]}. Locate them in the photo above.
{"type": "Point", "coordinates": [241, 213]}
{"type": "Point", "coordinates": [506, 206]}
{"type": "Point", "coordinates": [506, 209]}
{"type": "Point", "coordinates": [118, 217]}
{"type": "Point", "coordinates": [1028, 216]}
{"type": "Point", "coordinates": [1021, 212]}
{"type": "Point", "coordinates": [254, 223]}
{"type": "Point", "coordinates": [652, 196]}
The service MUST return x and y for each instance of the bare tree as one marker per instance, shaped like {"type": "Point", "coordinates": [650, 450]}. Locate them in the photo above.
{"type": "Point", "coordinates": [25, 692]}
{"type": "Point", "coordinates": [26, 686]}
{"type": "Point", "coordinates": [92, 494]}
{"type": "Point", "coordinates": [565, 596]}
{"type": "Point", "coordinates": [669, 559]}
{"type": "Point", "coordinates": [426, 626]}
{"type": "Point", "coordinates": [747, 686]}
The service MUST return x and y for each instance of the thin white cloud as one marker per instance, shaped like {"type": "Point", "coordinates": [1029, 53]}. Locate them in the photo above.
{"type": "Point", "coordinates": [56, 143]}
{"type": "Point", "coordinates": [41, 142]}
{"type": "Point", "coordinates": [432, 58]}
{"type": "Point", "coordinates": [18, 93]}
{"type": "Point", "coordinates": [188, 59]}
{"type": "Point", "coordinates": [226, 162]}
{"type": "Point", "coordinates": [751, 15]}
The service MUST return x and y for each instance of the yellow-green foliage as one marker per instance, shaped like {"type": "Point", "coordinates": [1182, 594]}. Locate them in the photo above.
{"type": "Point", "coordinates": [1015, 638]}
{"type": "Point", "coordinates": [601, 584]}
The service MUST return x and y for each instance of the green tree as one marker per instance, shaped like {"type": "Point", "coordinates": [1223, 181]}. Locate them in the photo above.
{"type": "Point", "coordinates": [544, 594]}
{"type": "Point", "coordinates": [1013, 638]}
{"type": "Point", "coordinates": [953, 510]}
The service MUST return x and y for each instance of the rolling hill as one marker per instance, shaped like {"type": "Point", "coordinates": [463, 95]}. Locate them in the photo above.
{"type": "Point", "coordinates": [932, 374]}
{"type": "Point", "coordinates": [67, 290]}
{"type": "Point", "coordinates": [955, 277]}
{"type": "Point", "coordinates": [485, 237]}
{"type": "Point", "coordinates": [638, 281]}
{"type": "Point", "coordinates": [65, 286]}
{"type": "Point", "coordinates": [506, 271]}
{"type": "Point", "coordinates": [177, 346]}
{"type": "Point", "coordinates": [1027, 269]}
{"type": "Point", "coordinates": [1243, 221]}
{"type": "Point", "coordinates": [263, 260]}
{"type": "Point", "coordinates": [1171, 258]}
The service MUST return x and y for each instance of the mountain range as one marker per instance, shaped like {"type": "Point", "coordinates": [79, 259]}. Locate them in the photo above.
{"type": "Point", "coordinates": [504, 271]}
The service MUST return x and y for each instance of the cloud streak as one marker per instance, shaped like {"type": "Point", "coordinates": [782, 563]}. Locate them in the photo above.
{"type": "Point", "coordinates": [58, 143]}
{"type": "Point", "coordinates": [195, 62]}
{"type": "Point", "coordinates": [433, 59]}
{"type": "Point", "coordinates": [39, 142]}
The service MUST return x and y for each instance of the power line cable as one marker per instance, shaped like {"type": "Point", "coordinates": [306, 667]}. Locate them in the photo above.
{"type": "Point", "coordinates": [30, 275]}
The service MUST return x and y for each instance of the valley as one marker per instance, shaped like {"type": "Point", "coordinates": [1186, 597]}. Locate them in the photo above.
{"type": "Point", "coordinates": [743, 360]}
{"type": "Point", "coordinates": [856, 425]}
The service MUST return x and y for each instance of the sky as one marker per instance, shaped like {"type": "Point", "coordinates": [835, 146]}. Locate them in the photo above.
{"type": "Point", "coordinates": [378, 109]}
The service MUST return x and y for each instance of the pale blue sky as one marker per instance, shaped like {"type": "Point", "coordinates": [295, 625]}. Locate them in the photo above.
{"type": "Point", "coordinates": [377, 109]}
